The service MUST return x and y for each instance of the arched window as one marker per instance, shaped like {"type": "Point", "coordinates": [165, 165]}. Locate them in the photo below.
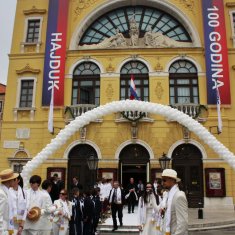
{"type": "Point", "coordinates": [159, 21]}
{"type": "Point", "coordinates": [141, 79]}
{"type": "Point", "coordinates": [86, 84]}
{"type": "Point", "coordinates": [183, 83]}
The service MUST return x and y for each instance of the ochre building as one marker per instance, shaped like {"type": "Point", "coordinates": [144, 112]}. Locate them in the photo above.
{"type": "Point", "coordinates": [178, 52]}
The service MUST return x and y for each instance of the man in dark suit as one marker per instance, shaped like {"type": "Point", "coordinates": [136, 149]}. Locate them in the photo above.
{"type": "Point", "coordinates": [88, 214]}
{"type": "Point", "coordinates": [76, 222]}
{"type": "Point", "coordinates": [76, 184]}
{"type": "Point", "coordinates": [131, 195]}
{"type": "Point", "coordinates": [57, 185]}
{"type": "Point", "coordinates": [116, 200]}
{"type": "Point", "coordinates": [98, 208]}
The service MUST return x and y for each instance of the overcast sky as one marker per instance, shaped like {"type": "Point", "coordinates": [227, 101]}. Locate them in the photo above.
{"type": "Point", "coordinates": [7, 15]}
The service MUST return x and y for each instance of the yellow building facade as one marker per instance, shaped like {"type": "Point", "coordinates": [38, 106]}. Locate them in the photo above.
{"type": "Point", "coordinates": [160, 43]}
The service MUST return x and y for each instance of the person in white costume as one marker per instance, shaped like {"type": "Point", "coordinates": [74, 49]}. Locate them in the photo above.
{"type": "Point", "coordinates": [35, 198]}
{"type": "Point", "coordinates": [176, 214]}
{"type": "Point", "coordinates": [63, 214]}
{"type": "Point", "coordinates": [148, 206]}
{"type": "Point", "coordinates": [18, 205]}
{"type": "Point", "coordinates": [7, 178]}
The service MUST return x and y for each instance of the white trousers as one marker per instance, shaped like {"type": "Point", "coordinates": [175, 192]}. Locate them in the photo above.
{"type": "Point", "coordinates": [57, 230]}
{"type": "Point", "coordinates": [35, 232]}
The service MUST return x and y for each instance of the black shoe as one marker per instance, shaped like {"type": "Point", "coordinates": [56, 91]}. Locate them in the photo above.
{"type": "Point", "coordinates": [121, 224]}
{"type": "Point", "coordinates": [133, 212]}
{"type": "Point", "coordinates": [129, 212]}
{"type": "Point", "coordinates": [114, 229]}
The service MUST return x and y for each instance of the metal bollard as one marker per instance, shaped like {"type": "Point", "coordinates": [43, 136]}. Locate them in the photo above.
{"type": "Point", "coordinates": [200, 211]}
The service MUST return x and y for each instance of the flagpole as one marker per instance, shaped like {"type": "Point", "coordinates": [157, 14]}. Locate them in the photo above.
{"type": "Point", "coordinates": [51, 113]}
{"type": "Point", "coordinates": [220, 125]}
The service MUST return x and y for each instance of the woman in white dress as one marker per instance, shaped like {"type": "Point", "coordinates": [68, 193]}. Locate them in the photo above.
{"type": "Point", "coordinates": [62, 215]}
{"type": "Point", "coordinates": [18, 206]}
{"type": "Point", "coordinates": [147, 208]}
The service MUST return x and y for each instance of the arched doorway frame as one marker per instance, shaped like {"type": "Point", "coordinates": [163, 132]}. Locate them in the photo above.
{"type": "Point", "coordinates": [78, 142]}
{"type": "Point", "coordinates": [191, 141]}
{"type": "Point", "coordinates": [138, 141]}
{"type": "Point", "coordinates": [110, 5]}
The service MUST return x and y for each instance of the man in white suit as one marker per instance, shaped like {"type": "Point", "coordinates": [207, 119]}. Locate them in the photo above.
{"type": "Point", "coordinates": [37, 198]}
{"type": "Point", "coordinates": [7, 178]}
{"type": "Point", "coordinates": [176, 214]}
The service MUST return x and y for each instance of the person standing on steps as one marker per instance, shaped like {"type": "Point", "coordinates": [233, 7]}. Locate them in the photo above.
{"type": "Point", "coordinates": [116, 200]}
{"type": "Point", "coordinates": [131, 195]}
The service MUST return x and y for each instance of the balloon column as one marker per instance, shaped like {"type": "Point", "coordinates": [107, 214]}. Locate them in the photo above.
{"type": "Point", "coordinates": [128, 105]}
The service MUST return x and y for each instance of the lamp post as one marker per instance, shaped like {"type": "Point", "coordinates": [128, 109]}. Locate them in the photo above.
{"type": "Point", "coordinates": [92, 163]}
{"type": "Point", "coordinates": [164, 161]}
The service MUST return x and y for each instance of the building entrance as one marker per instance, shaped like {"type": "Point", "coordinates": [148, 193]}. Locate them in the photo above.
{"type": "Point", "coordinates": [187, 161]}
{"type": "Point", "coordinates": [133, 163]}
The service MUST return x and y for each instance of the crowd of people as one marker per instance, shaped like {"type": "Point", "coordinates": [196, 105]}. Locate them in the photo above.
{"type": "Point", "coordinates": [54, 210]}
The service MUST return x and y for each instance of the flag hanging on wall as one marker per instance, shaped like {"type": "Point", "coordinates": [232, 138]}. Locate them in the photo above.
{"type": "Point", "coordinates": [133, 92]}
{"type": "Point", "coordinates": [51, 113]}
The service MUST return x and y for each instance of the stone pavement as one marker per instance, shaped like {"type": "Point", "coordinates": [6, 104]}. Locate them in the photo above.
{"type": "Point", "coordinates": [213, 219]}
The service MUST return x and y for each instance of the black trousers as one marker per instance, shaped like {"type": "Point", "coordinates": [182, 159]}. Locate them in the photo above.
{"type": "Point", "coordinates": [116, 208]}
{"type": "Point", "coordinates": [88, 228]}
{"type": "Point", "coordinates": [131, 204]}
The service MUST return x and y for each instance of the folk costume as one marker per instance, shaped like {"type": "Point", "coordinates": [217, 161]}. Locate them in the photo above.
{"type": "Point", "coordinates": [61, 221]}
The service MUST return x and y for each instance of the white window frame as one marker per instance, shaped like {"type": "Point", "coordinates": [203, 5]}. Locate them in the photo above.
{"type": "Point", "coordinates": [39, 42]}
{"type": "Point", "coordinates": [231, 13]}
{"type": "Point", "coordinates": [17, 106]}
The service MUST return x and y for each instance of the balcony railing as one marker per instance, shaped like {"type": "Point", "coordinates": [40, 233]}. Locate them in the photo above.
{"type": "Point", "coordinates": [193, 110]}
{"type": "Point", "coordinates": [73, 111]}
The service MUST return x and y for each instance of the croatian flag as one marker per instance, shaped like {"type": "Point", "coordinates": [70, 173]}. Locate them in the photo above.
{"type": "Point", "coordinates": [133, 95]}
{"type": "Point", "coordinates": [218, 110]}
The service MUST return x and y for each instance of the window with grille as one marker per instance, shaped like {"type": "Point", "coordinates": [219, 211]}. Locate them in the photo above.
{"type": "Point", "coordinates": [26, 94]}
{"type": "Point", "coordinates": [86, 84]}
{"type": "Point", "coordinates": [183, 83]}
{"type": "Point", "coordinates": [33, 30]}
{"type": "Point", "coordinates": [140, 73]}
{"type": "Point", "coordinates": [146, 17]}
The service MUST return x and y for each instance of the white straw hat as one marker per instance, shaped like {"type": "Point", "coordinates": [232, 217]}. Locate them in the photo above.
{"type": "Point", "coordinates": [171, 174]}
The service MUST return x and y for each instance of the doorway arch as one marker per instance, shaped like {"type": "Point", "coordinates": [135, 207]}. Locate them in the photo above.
{"type": "Point", "coordinates": [78, 167]}
{"type": "Point", "coordinates": [187, 161]}
{"type": "Point", "coordinates": [133, 163]}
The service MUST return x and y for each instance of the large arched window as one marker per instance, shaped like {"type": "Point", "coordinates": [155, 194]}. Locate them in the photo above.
{"type": "Point", "coordinates": [86, 84]}
{"type": "Point", "coordinates": [146, 17]}
{"type": "Point", "coordinates": [141, 79]}
{"type": "Point", "coordinates": [183, 83]}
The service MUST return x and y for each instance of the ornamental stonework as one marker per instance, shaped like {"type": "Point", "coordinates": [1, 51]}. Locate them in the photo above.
{"type": "Point", "coordinates": [80, 5]}
{"type": "Point", "coordinates": [109, 92]}
{"type": "Point", "coordinates": [189, 4]}
{"type": "Point", "coordinates": [159, 90]}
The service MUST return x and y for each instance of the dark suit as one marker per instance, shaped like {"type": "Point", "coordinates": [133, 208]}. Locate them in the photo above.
{"type": "Point", "coordinates": [132, 197]}
{"type": "Point", "coordinates": [116, 207]}
{"type": "Point", "coordinates": [55, 189]}
{"type": "Point", "coordinates": [76, 222]}
{"type": "Point", "coordinates": [97, 212]}
{"type": "Point", "coordinates": [88, 212]}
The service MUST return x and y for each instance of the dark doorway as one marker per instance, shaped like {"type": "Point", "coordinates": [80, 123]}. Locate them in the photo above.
{"type": "Point", "coordinates": [77, 166]}
{"type": "Point", "coordinates": [187, 161]}
{"type": "Point", "coordinates": [134, 163]}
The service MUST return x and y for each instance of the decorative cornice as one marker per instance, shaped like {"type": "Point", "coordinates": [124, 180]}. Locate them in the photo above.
{"type": "Point", "coordinates": [34, 10]}
{"type": "Point", "coordinates": [230, 4]}
{"type": "Point", "coordinates": [28, 69]}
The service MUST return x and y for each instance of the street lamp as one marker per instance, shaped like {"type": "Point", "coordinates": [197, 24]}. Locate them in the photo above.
{"type": "Point", "coordinates": [92, 163]}
{"type": "Point", "coordinates": [164, 162]}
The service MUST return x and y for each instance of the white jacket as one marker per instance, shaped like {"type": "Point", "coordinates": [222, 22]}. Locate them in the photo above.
{"type": "Point", "coordinates": [4, 210]}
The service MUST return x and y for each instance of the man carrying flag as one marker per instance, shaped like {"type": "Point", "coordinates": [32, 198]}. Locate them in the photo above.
{"type": "Point", "coordinates": [133, 92]}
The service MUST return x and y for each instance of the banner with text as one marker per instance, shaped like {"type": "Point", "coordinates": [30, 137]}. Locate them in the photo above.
{"type": "Point", "coordinates": [55, 54]}
{"type": "Point", "coordinates": [217, 70]}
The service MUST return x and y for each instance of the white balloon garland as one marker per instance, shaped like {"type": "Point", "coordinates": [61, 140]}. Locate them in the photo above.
{"type": "Point", "coordinates": [127, 105]}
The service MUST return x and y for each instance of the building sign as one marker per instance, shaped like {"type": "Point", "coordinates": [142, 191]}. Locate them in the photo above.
{"type": "Point", "coordinates": [54, 65]}
{"type": "Point", "coordinates": [11, 144]}
{"type": "Point", "coordinates": [216, 51]}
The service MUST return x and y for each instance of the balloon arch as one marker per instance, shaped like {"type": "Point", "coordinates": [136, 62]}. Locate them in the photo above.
{"type": "Point", "coordinates": [128, 105]}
